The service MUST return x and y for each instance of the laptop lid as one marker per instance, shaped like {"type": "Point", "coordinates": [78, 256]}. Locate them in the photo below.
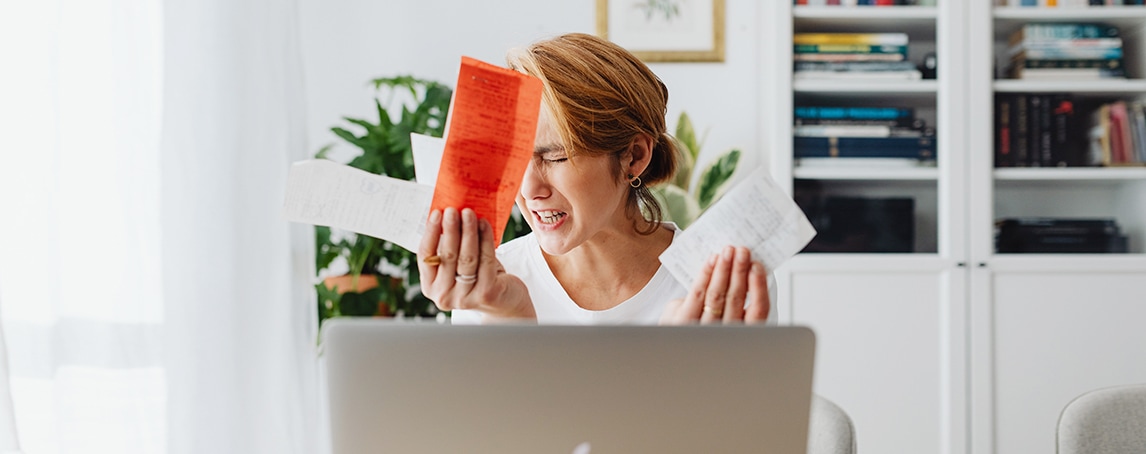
{"type": "Point", "coordinates": [411, 387]}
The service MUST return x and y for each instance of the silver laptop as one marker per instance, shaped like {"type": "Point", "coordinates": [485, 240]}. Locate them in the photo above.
{"type": "Point", "coordinates": [426, 388]}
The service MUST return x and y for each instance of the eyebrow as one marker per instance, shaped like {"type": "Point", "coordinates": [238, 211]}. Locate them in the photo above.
{"type": "Point", "coordinates": [548, 149]}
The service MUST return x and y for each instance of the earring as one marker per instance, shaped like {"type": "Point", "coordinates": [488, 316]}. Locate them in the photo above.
{"type": "Point", "coordinates": [634, 182]}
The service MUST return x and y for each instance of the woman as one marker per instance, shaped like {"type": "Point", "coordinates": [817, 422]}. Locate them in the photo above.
{"type": "Point", "coordinates": [597, 232]}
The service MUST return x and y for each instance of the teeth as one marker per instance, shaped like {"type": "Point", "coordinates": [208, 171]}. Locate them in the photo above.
{"type": "Point", "coordinates": [550, 217]}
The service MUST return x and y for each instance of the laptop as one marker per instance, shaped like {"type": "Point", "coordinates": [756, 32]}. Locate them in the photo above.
{"type": "Point", "coordinates": [400, 387]}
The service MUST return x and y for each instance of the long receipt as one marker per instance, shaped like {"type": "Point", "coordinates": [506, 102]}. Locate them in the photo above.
{"type": "Point", "coordinates": [755, 214]}
{"type": "Point", "coordinates": [323, 192]}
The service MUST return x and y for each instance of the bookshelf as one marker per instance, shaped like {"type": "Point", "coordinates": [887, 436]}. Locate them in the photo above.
{"type": "Point", "coordinates": [979, 350]}
{"type": "Point", "coordinates": [1027, 358]}
{"type": "Point", "coordinates": [889, 325]}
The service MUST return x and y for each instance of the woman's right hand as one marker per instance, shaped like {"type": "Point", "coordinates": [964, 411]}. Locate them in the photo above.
{"type": "Point", "coordinates": [459, 269]}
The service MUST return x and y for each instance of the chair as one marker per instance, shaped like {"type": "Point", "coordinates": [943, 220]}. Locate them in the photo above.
{"type": "Point", "coordinates": [1104, 421]}
{"type": "Point", "coordinates": [830, 430]}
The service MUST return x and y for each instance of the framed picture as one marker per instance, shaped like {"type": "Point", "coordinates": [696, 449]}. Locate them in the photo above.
{"type": "Point", "coordinates": [665, 30]}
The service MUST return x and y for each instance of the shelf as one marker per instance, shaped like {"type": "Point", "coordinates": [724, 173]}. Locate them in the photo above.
{"type": "Point", "coordinates": [1102, 87]}
{"type": "Point", "coordinates": [869, 262]}
{"type": "Point", "coordinates": [1081, 263]}
{"type": "Point", "coordinates": [1115, 15]}
{"type": "Point", "coordinates": [867, 87]}
{"type": "Point", "coordinates": [1075, 174]}
{"type": "Point", "coordinates": [863, 174]}
{"type": "Point", "coordinates": [916, 21]}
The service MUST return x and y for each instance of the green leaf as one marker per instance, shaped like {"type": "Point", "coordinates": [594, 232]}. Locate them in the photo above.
{"type": "Point", "coordinates": [350, 137]}
{"type": "Point", "coordinates": [714, 178]}
{"type": "Point", "coordinates": [686, 137]}
{"type": "Point", "coordinates": [361, 304]}
{"type": "Point", "coordinates": [680, 207]}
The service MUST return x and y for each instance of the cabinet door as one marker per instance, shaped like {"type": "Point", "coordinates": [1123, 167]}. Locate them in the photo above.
{"type": "Point", "coordinates": [889, 352]}
{"type": "Point", "coordinates": [1057, 335]}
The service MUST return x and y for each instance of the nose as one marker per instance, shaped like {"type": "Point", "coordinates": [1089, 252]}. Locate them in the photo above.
{"type": "Point", "coordinates": [534, 185]}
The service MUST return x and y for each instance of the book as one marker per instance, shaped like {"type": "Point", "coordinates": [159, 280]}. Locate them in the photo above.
{"type": "Point", "coordinates": [849, 48]}
{"type": "Point", "coordinates": [848, 57]}
{"type": "Point", "coordinates": [1064, 149]}
{"type": "Point", "coordinates": [855, 131]}
{"type": "Point", "coordinates": [853, 66]}
{"type": "Point", "coordinates": [879, 147]}
{"type": "Point", "coordinates": [1003, 155]}
{"type": "Point", "coordinates": [1066, 73]}
{"type": "Point", "coordinates": [891, 39]}
{"type": "Point", "coordinates": [1040, 32]}
{"type": "Point", "coordinates": [1100, 48]}
{"type": "Point", "coordinates": [854, 113]}
{"type": "Point", "coordinates": [903, 122]}
{"type": "Point", "coordinates": [1111, 64]}
{"type": "Point", "coordinates": [864, 162]}
{"type": "Point", "coordinates": [913, 74]}
{"type": "Point", "coordinates": [1020, 124]}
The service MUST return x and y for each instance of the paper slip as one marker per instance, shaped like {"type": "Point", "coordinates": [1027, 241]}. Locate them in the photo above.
{"type": "Point", "coordinates": [323, 192]}
{"type": "Point", "coordinates": [427, 157]}
{"type": "Point", "coordinates": [489, 142]}
{"type": "Point", "coordinates": [755, 214]}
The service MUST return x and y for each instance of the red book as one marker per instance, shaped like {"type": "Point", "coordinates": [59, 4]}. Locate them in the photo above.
{"type": "Point", "coordinates": [884, 2]}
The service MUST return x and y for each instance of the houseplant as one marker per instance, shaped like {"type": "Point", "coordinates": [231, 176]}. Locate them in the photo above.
{"type": "Point", "coordinates": [683, 202]}
{"type": "Point", "coordinates": [380, 277]}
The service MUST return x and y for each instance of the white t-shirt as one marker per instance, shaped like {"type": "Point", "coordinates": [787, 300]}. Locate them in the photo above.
{"type": "Point", "coordinates": [522, 258]}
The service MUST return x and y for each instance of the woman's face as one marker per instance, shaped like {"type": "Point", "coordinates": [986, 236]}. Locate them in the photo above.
{"type": "Point", "coordinates": [567, 204]}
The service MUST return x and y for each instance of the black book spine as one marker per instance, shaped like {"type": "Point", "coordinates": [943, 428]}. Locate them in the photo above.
{"type": "Point", "coordinates": [1046, 134]}
{"type": "Point", "coordinates": [1022, 130]}
{"type": "Point", "coordinates": [1004, 157]}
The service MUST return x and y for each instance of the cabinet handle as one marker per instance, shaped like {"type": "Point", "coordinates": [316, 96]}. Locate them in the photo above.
{"type": "Point", "coordinates": [982, 264]}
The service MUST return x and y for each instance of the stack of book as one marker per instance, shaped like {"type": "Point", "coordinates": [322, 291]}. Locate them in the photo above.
{"type": "Point", "coordinates": [1067, 3]}
{"type": "Point", "coordinates": [859, 56]}
{"type": "Point", "coordinates": [1117, 134]}
{"type": "Point", "coordinates": [1054, 235]}
{"type": "Point", "coordinates": [1038, 130]}
{"type": "Point", "coordinates": [869, 136]}
{"type": "Point", "coordinates": [864, 2]}
{"type": "Point", "coordinates": [1065, 51]}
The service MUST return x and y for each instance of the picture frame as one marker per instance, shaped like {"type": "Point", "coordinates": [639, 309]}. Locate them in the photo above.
{"type": "Point", "coordinates": [665, 30]}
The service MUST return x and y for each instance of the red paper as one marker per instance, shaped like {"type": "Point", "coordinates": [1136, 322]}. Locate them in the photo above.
{"type": "Point", "coordinates": [493, 120]}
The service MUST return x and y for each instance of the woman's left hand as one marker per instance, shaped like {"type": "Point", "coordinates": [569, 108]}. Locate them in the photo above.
{"type": "Point", "coordinates": [731, 288]}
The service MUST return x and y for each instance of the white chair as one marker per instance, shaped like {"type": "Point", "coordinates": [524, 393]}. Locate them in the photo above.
{"type": "Point", "coordinates": [830, 430]}
{"type": "Point", "coordinates": [1104, 421]}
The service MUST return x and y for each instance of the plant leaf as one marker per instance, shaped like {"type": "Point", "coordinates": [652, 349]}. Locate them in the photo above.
{"type": "Point", "coordinates": [714, 178]}
{"type": "Point", "coordinates": [680, 206]}
{"type": "Point", "coordinates": [686, 137]}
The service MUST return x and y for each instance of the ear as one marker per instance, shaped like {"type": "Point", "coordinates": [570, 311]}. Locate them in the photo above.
{"type": "Point", "coordinates": [638, 156]}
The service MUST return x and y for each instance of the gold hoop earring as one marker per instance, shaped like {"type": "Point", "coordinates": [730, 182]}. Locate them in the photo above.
{"type": "Point", "coordinates": [635, 182]}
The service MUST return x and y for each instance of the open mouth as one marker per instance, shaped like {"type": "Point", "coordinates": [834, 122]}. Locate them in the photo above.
{"type": "Point", "coordinates": [549, 217]}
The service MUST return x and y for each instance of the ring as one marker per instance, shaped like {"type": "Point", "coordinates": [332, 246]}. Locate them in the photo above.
{"type": "Point", "coordinates": [715, 312]}
{"type": "Point", "coordinates": [466, 278]}
{"type": "Point", "coordinates": [432, 260]}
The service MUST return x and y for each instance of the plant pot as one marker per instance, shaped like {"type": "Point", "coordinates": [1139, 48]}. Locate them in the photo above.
{"type": "Point", "coordinates": [348, 283]}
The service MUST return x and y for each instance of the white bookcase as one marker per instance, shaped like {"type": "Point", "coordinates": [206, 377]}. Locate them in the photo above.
{"type": "Point", "coordinates": [954, 348]}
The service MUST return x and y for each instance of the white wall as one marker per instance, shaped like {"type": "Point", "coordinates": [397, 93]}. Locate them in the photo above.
{"type": "Point", "coordinates": [345, 43]}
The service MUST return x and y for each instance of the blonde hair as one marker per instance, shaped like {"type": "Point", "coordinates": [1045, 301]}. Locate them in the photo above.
{"type": "Point", "coordinates": [600, 98]}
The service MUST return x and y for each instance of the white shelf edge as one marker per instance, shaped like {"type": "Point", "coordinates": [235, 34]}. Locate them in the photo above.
{"type": "Point", "coordinates": [866, 173]}
{"type": "Point", "coordinates": [868, 262]}
{"type": "Point", "coordinates": [1114, 86]}
{"type": "Point", "coordinates": [1075, 263]}
{"type": "Point", "coordinates": [865, 12]}
{"type": "Point", "coordinates": [1071, 174]}
{"type": "Point", "coordinates": [1098, 12]}
{"type": "Point", "coordinates": [929, 86]}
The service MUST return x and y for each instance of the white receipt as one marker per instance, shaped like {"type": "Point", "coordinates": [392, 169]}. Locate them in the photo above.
{"type": "Point", "coordinates": [428, 152]}
{"type": "Point", "coordinates": [323, 192]}
{"type": "Point", "coordinates": [755, 214]}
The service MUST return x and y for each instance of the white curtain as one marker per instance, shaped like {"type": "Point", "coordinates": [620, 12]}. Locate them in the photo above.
{"type": "Point", "coordinates": [152, 300]}
{"type": "Point", "coordinates": [236, 277]}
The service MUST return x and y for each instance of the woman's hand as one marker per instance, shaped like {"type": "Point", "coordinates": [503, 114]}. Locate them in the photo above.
{"type": "Point", "coordinates": [719, 295]}
{"type": "Point", "coordinates": [459, 269]}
